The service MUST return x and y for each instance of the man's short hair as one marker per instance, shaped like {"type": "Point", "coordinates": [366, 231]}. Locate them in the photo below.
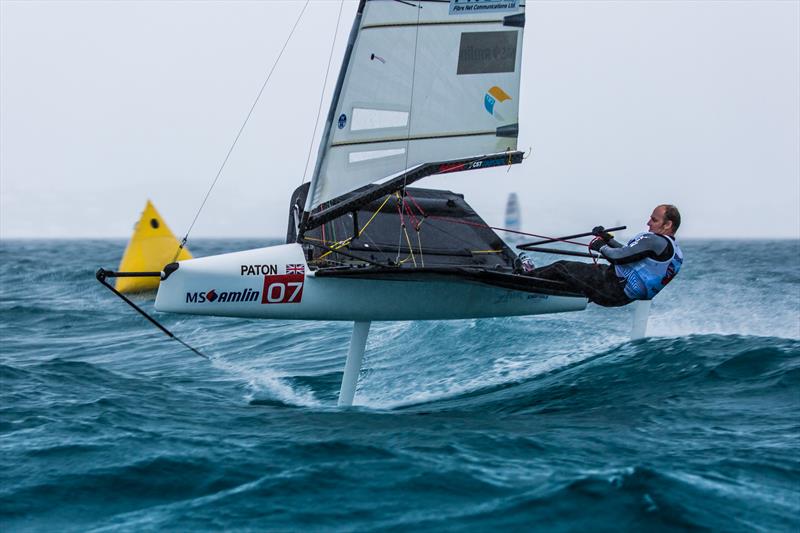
{"type": "Point", "coordinates": [672, 214]}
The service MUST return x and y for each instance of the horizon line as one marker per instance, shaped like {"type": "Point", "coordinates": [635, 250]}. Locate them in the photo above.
{"type": "Point", "coordinates": [229, 237]}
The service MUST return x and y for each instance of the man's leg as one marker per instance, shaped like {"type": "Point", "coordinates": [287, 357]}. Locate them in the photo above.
{"type": "Point", "coordinates": [576, 276]}
{"type": "Point", "coordinates": [610, 291]}
{"type": "Point", "coordinates": [597, 282]}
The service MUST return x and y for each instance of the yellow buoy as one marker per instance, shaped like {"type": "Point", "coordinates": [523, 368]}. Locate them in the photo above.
{"type": "Point", "coordinates": [151, 247]}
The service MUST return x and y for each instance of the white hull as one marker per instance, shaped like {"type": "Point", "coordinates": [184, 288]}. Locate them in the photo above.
{"type": "Point", "coordinates": [275, 282]}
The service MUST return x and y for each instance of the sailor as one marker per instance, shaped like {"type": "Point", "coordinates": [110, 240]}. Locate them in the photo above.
{"type": "Point", "coordinates": [638, 270]}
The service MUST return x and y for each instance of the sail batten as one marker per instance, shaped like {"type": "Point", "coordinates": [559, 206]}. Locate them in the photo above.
{"type": "Point", "coordinates": [419, 138]}
{"type": "Point", "coordinates": [421, 85]}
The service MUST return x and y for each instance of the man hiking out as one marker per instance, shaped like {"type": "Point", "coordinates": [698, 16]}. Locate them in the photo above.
{"type": "Point", "coordinates": [638, 270]}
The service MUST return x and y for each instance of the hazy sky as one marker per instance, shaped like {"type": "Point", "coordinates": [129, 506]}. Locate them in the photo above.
{"type": "Point", "coordinates": [626, 104]}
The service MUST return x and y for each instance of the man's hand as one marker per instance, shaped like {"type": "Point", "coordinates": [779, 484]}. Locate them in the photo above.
{"type": "Point", "coordinates": [601, 233]}
{"type": "Point", "coordinates": [596, 244]}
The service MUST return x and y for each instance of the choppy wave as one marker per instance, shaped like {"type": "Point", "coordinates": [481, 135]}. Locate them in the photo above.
{"type": "Point", "coordinates": [555, 422]}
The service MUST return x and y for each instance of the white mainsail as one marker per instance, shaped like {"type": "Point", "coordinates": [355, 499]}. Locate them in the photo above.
{"type": "Point", "coordinates": [420, 85]}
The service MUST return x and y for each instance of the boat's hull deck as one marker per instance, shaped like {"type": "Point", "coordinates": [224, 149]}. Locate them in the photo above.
{"type": "Point", "coordinates": [277, 282]}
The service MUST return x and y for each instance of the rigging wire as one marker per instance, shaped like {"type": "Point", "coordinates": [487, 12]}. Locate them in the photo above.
{"type": "Point", "coordinates": [435, 227]}
{"type": "Point", "coordinates": [419, 240]}
{"type": "Point", "coordinates": [410, 116]}
{"type": "Point", "coordinates": [236, 139]}
{"type": "Point", "coordinates": [416, 225]}
{"type": "Point", "coordinates": [413, 80]}
{"type": "Point", "coordinates": [341, 244]}
{"type": "Point", "coordinates": [426, 216]}
{"type": "Point", "coordinates": [477, 225]}
{"type": "Point", "coordinates": [322, 93]}
{"type": "Point", "coordinates": [410, 247]}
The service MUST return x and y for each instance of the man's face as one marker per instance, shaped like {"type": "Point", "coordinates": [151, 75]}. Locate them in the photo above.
{"type": "Point", "coordinates": [658, 224]}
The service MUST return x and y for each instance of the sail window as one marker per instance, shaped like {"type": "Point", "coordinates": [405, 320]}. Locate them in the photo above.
{"type": "Point", "coordinates": [358, 157]}
{"type": "Point", "coordinates": [487, 52]}
{"type": "Point", "coordinates": [373, 119]}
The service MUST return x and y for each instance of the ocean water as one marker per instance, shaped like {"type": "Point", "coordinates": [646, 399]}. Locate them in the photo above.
{"type": "Point", "coordinates": [555, 422]}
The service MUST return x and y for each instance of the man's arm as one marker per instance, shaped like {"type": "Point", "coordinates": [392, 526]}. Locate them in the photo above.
{"type": "Point", "coordinates": [608, 238]}
{"type": "Point", "coordinates": [650, 245]}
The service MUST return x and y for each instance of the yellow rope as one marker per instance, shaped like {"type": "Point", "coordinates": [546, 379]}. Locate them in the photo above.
{"type": "Point", "coordinates": [419, 240]}
{"type": "Point", "coordinates": [335, 246]}
{"type": "Point", "coordinates": [486, 251]}
{"type": "Point", "coordinates": [374, 215]}
{"type": "Point", "coordinates": [341, 244]}
{"type": "Point", "coordinates": [410, 248]}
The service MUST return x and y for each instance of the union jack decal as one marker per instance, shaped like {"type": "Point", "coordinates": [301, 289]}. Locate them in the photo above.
{"type": "Point", "coordinates": [296, 269]}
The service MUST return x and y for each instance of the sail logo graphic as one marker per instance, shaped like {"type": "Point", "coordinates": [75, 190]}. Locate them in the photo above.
{"type": "Point", "coordinates": [472, 165]}
{"type": "Point", "coordinates": [469, 7]}
{"type": "Point", "coordinates": [493, 102]}
{"type": "Point", "coordinates": [212, 296]}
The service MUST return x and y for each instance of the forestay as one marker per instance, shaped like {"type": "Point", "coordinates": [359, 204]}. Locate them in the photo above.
{"type": "Point", "coordinates": [420, 85]}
